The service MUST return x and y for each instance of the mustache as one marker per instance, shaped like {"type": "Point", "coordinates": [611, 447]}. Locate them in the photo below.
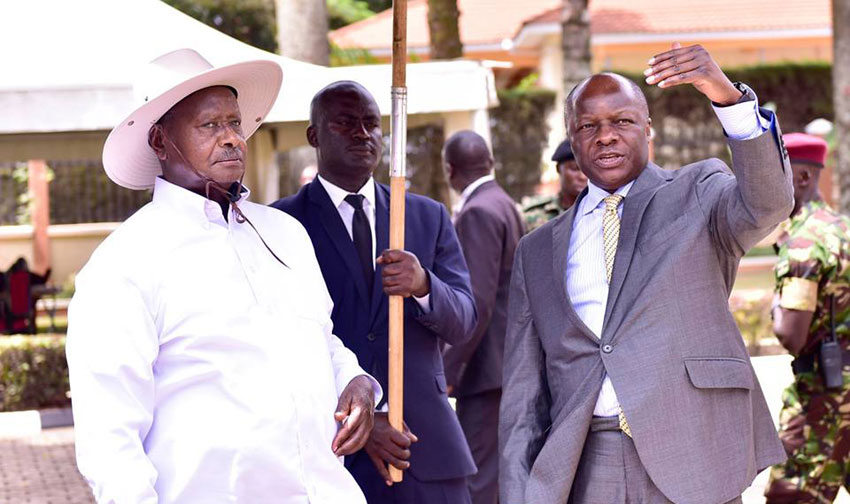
{"type": "Point", "coordinates": [231, 155]}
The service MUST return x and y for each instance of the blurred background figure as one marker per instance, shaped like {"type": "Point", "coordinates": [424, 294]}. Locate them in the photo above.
{"type": "Point", "coordinates": [812, 321]}
{"type": "Point", "coordinates": [540, 210]}
{"type": "Point", "coordinates": [308, 174]}
{"type": "Point", "coordinates": [488, 227]}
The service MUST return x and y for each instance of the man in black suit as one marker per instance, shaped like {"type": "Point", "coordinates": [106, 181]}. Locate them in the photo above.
{"type": "Point", "coordinates": [488, 227]}
{"type": "Point", "coordinates": [346, 215]}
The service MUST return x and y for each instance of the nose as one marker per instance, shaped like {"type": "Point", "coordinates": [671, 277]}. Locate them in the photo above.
{"type": "Point", "coordinates": [606, 135]}
{"type": "Point", "coordinates": [360, 130]}
{"type": "Point", "coordinates": [231, 136]}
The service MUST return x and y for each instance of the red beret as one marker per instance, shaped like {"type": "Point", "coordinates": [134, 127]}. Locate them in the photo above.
{"type": "Point", "coordinates": [803, 148]}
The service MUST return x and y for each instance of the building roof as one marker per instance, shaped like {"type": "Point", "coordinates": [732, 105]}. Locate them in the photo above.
{"type": "Point", "coordinates": [670, 16]}
{"type": "Point", "coordinates": [73, 64]}
{"type": "Point", "coordinates": [482, 23]}
{"type": "Point", "coordinates": [491, 21]}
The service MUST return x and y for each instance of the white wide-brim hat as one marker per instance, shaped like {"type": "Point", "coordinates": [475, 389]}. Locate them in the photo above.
{"type": "Point", "coordinates": [128, 159]}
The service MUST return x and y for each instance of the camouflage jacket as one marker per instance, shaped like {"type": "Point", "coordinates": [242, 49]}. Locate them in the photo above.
{"type": "Point", "coordinates": [813, 265]}
{"type": "Point", "coordinates": [539, 210]}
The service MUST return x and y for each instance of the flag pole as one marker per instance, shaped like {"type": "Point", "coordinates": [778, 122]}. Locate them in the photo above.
{"type": "Point", "coordinates": [398, 172]}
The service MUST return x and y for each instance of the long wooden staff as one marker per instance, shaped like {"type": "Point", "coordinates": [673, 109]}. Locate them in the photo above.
{"type": "Point", "coordinates": [398, 172]}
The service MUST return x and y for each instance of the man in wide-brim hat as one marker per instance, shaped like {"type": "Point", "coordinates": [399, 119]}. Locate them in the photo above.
{"type": "Point", "coordinates": [203, 364]}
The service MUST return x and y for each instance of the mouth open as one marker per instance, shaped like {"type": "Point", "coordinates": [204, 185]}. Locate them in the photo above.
{"type": "Point", "coordinates": [609, 160]}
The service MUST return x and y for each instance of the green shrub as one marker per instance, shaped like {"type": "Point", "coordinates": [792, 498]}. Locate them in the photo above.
{"type": "Point", "coordinates": [751, 309]}
{"type": "Point", "coordinates": [33, 373]}
{"type": "Point", "coordinates": [519, 132]}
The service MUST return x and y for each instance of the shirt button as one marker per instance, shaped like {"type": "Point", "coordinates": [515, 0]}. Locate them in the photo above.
{"type": "Point", "coordinates": [371, 336]}
{"type": "Point", "coordinates": [607, 348]}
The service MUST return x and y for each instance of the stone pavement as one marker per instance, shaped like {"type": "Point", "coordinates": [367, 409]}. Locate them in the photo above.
{"type": "Point", "coordinates": [41, 469]}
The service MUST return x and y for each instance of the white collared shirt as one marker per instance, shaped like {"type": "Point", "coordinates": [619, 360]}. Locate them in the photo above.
{"type": "Point", "coordinates": [587, 286]}
{"type": "Point", "coordinates": [468, 190]}
{"type": "Point", "coordinates": [346, 213]}
{"type": "Point", "coordinates": [202, 370]}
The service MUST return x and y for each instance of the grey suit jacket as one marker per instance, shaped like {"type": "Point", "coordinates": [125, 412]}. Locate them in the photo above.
{"type": "Point", "coordinates": [669, 343]}
{"type": "Point", "coordinates": [488, 228]}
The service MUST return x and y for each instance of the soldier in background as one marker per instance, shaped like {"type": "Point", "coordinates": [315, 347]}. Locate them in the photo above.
{"type": "Point", "coordinates": [812, 321]}
{"type": "Point", "coordinates": [540, 210]}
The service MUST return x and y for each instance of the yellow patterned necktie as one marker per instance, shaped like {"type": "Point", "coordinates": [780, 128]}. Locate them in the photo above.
{"type": "Point", "coordinates": [610, 232]}
{"type": "Point", "coordinates": [610, 237]}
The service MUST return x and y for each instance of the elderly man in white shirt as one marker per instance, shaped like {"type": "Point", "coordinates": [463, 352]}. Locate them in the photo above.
{"type": "Point", "coordinates": [203, 364]}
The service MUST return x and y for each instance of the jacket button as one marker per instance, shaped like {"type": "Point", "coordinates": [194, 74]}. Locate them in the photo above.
{"type": "Point", "coordinates": [371, 336]}
{"type": "Point", "coordinates": [607, 348]}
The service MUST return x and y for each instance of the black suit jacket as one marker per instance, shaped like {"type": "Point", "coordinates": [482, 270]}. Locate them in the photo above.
{"type": "Point", "coordinates": [361, 322]}
{"type": "Point", "coordinates": [489, 228]}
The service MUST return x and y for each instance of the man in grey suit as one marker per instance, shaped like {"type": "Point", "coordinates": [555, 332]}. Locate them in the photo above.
{"type": "Point", "coordinates": [488, 227]}
{"type": "Point", "coordinates": [626, 379]}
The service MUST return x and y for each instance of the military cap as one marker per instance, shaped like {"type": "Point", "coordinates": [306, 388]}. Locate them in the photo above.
{"type": "Point", "coordinates": [563, 153]}
{"type": "Point", "coordinates": [803, 148]}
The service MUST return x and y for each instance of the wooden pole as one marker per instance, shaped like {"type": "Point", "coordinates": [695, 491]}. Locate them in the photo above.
{"type": "Point", "coordinates": [398, 172]}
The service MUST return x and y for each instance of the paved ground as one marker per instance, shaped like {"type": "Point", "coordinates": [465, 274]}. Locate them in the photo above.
{"type": "Point", "coordinates": [41, 469]}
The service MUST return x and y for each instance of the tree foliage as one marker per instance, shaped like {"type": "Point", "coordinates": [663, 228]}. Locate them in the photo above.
{"type": "Point", "coordinates": [251, 21]}
{"type": "Point", "coordinates": [345, 12]}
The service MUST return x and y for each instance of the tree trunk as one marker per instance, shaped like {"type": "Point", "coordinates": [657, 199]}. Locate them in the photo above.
{"type": "Point", "coordinates": [302, 30]}
{"type": "Point", "coordinates": [443, 29]}
{"type": "Point", "coordinates": [841, 97]}
{"type": "Point", "coordinates": [575, 42]}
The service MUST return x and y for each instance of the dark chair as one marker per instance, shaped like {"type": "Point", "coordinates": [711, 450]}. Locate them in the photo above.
{"type": "Point", "coordinates": [4, 302]}
{"type": "Point", "coordinates": [20, 316]}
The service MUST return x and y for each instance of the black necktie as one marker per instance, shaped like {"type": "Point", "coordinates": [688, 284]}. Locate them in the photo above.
{"type": "Point", "coordinates": [362, 234]}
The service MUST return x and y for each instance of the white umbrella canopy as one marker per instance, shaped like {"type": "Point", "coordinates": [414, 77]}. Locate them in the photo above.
{"type": "Point", "coordinates": [69, 65]}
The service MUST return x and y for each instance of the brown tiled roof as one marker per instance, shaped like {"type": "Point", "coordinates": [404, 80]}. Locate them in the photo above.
{"type": "Point", "coordinates": [481, 22]}
{"type": "Point", "coordinates": [491, 21]}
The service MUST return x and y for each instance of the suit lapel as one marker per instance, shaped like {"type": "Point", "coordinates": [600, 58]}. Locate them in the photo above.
{"type": "Point", "coordinates": [561, 233]}
{"type": "Point", "coordinates": [634, 206]}
{"type": "Point", "coordinates": [382, 242]}
{"type": "Point", "coordinates": [332, 223]}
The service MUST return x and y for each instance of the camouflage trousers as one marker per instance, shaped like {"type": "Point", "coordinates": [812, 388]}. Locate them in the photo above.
{"type": "Point", "coordinates": [815, 430]}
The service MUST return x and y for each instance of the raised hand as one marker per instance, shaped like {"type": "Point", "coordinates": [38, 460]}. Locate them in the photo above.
{"type": "Point", "coordinates": [692, 65]}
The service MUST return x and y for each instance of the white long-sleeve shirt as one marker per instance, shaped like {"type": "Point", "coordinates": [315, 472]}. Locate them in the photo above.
{"type": "Point", "coordinates": [202, 370]}
{"type": "Point", "coordinates": [587, 286]}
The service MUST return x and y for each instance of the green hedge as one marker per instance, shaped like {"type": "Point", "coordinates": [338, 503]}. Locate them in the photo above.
{"type": "Point", "coordinates": [33, 373]}
{"type": "Point", "coordinates": [519, 133]}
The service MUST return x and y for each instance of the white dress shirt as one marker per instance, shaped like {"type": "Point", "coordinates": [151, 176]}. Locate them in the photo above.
{"type": "Point", "coordinates": [202, 370]}
{"type": "Point", "coordinates": [587, 286]}
{"type": "Point", "coordinates": [468, 190]}
{"type": "Point", "coordinates": [346, 213]}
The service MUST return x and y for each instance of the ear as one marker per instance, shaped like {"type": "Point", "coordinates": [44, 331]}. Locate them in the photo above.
{"type": "Point", "coordinates": [157, 141]}
{"type": "Point", "coordinates": [311, 136]}
{"type": "Point", "coordinates": [805, 177]}
{"type": "Point", "coordinates": [648, 129]}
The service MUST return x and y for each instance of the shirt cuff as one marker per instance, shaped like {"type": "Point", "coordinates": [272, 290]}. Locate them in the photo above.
{"type": "Point", "coordinates": [742, 121]}
{"type": "Point", "coordinates": [424, 302]}
{"type": "Point", "coordinates": [345, 378]}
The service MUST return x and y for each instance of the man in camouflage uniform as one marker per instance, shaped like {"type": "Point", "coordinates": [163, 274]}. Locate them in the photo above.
{"type": "Point", "coordinates": [812, 270]}
{"type": "Point", "coordinates": [539, 210]}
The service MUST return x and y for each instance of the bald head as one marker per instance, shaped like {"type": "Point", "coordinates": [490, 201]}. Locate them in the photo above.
{"type": "Point", "coordinates": [467, 158]}
{"type": "Point", "coordinates": [328, 93]}
{"type": "Point", "coordinates": [608, 123]}
{"type": "Point", "coordinates": [604, 83]}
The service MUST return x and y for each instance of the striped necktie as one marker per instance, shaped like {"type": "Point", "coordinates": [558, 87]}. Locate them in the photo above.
{"type": "Point", "coordinates": [610, 237]}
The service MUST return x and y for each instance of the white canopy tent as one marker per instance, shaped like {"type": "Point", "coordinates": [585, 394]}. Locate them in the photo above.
{"type": "Point", "coordinates": [68, 68]}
